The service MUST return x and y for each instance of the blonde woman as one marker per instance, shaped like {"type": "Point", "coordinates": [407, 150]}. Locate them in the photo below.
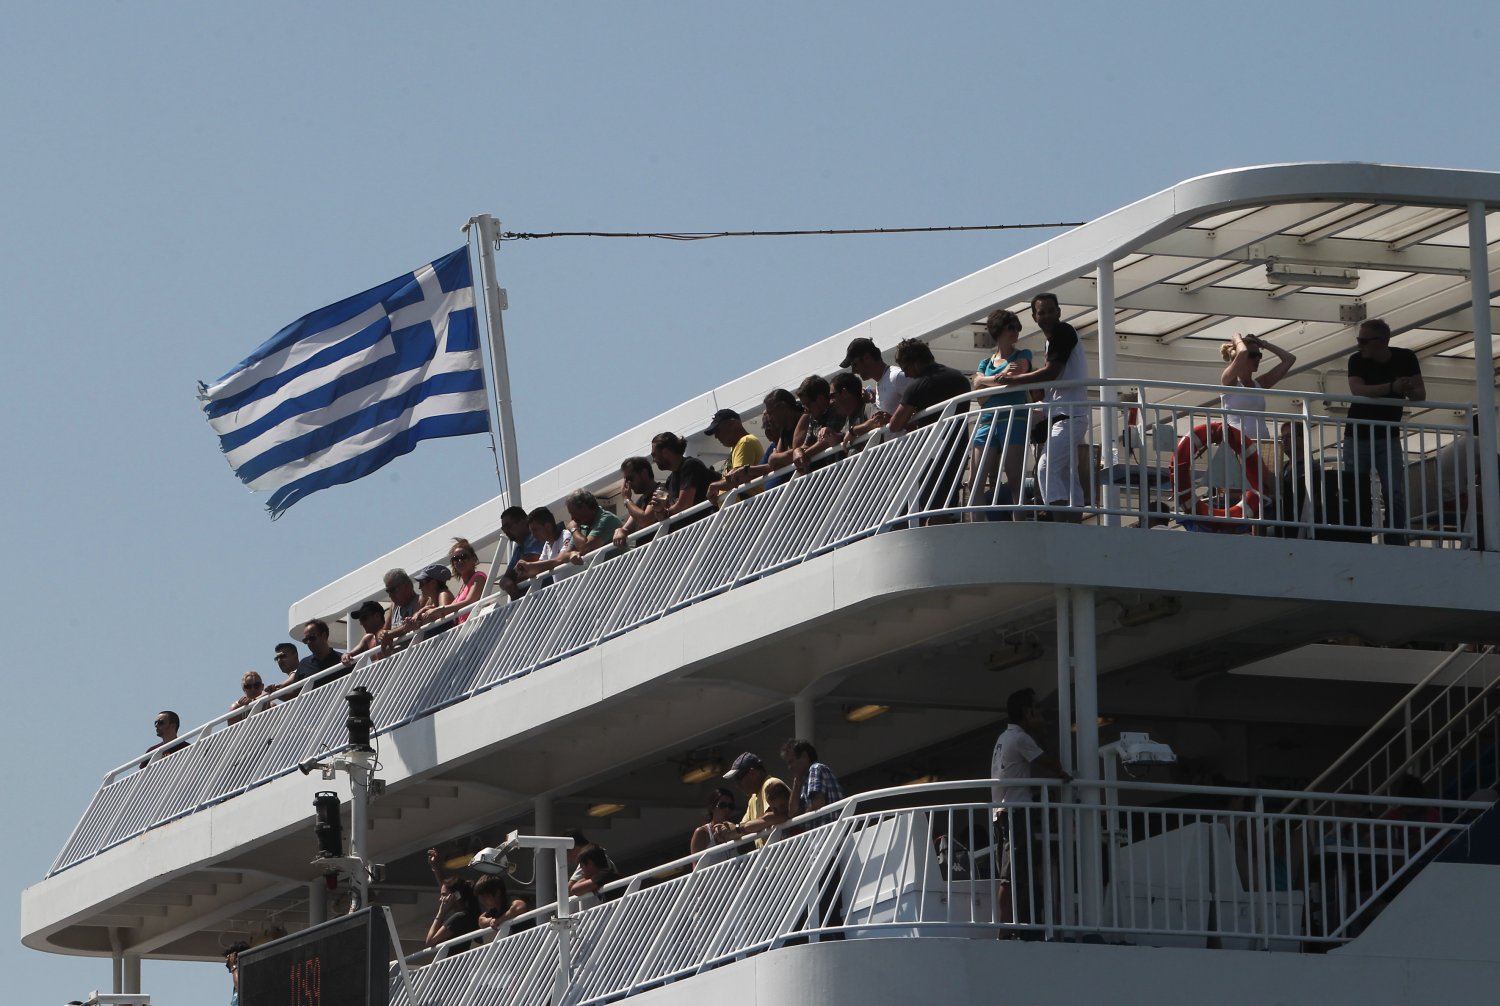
{"type": "Point", "coordinates": [1242, 356]}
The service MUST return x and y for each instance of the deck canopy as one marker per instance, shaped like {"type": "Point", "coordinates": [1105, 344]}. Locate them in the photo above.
{"type": "Point", "coordinates": [1297, 254]}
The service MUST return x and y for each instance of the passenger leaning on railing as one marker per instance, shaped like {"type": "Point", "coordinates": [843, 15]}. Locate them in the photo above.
{"type": "Point", "coordinates": [745, 450]}
{"type": "Point", "coordinates": [867, 363]}
{"type": "Point", "coordinates": [593, 526]}
{"type": "Point", "coordinates": [166, 724]}
{"type": "Point", "coordinates": [716, 822]}
{"type": "Point", "coordinates": [1065, 472]}
{"type": "Point", "coordinates": [597, 870]}
{"type": "Point", "coordinates": [321, 657]}
{"type": "Point", "coordinates": [432, 584]}
{"type": "Point", "coordinates": [523, 546]}
{"type": "Point", "coordinates": [638, 487]}
{"type": "Point", "coordinates": [749, 773]}
{"type": "Point", "coordinates": [1379, 370]}
{"type": "Point", "coordinates": [849, 399]}
{"type": "Point", "coordinates": [821, 427]}
{"type": "Point", "coordinates": [465, 563]}
{"type": "Point", "coordinates": [780, 413]}
{"type": "Point", "coordinates": [496, 905]}
{"type": "Point", "coordinates": [687, 481]}
{"type": "Point", "coordinates": [999, 444]}
{"type": "Point", "coordinates": [557, 547]}
{"type": "Point", "coordinates": [932, 383]}
{"type": "Point", "coordinates": [372, 619]}
{"type": "Point", "coordinates": [253, 688]}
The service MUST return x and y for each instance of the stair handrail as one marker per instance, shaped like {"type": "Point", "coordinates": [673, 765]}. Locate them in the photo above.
{"type": "Point", "coordinates": [1380, 724]}
{"type": "Point", "coordinates": [1426, 745]}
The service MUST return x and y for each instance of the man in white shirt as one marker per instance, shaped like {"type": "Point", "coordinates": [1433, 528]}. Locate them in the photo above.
{"type": "Point", "coordinates": [865, 360]}
{"type": "Point", "coordinates": [1018, 756]}
{"type": "Point", "coordinates": [1065, 475]}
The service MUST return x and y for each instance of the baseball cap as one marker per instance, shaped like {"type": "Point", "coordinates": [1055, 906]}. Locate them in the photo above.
{"type": "Point", "coordinates": [743, 764]}
{"type": "Point", "coordinates": [437, 571]}
{"type": "Point", "coordinates": [369, 609]}
{"type": "Point", "coordinates": [859, 347]}
{"type": "Point", "coordinates": [720, 417]}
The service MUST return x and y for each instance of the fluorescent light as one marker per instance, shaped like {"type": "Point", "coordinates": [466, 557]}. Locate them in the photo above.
{"type": "Point", "coordinates": [605, 809]}
{"type": "Point", "coordinates": [1163, 607]}
{"type": "Point", "coordinates": [1287, 274]}
{"type": "Point", "coordinates": [1013, 654]}
{"type": "Point", "coordinates": [702, 772]}
{"type": "Point", "coordinates": [867, 712]}
{"type": "Point", "coordinates": [922, 780]}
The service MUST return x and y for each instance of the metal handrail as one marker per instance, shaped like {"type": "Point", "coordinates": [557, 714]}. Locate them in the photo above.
{"type": "Point", "coordinates": [904, 508]}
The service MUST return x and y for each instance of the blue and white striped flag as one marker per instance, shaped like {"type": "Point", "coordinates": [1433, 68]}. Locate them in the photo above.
{"type": "Point", "coordinates": [339, 393]}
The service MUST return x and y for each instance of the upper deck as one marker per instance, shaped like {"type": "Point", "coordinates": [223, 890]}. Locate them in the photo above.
{"type": "Point", "coordinates": [827, 591]}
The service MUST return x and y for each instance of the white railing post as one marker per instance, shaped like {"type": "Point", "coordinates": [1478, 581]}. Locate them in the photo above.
{"type": "Point", "coordinates": [1108, 393]}
{"type": "Point", "coordinates": [1484, 374]}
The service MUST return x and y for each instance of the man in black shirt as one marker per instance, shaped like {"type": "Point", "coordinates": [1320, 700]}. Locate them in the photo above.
{"type": "Point", "coordinates": [931, 383]}
{"type": "Point", "coordinates": [1380, 370]}
{"type": "Point", "coordinates": [687, 483]}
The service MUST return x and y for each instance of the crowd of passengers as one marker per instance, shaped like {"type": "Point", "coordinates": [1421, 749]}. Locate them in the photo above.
{"type": "Point", "coordinates": [486, 905]}
{"type": "Point", "coordinates": [824, 419]}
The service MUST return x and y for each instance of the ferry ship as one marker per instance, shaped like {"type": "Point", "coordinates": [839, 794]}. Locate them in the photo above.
{"type": "Point", "coordinates": [1281, 729]}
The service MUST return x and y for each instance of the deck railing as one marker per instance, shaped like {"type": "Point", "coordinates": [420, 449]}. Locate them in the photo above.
{"type": "Point", "coordinates": [1216, 869]}
{"type": "Point", "coordinates": [1150, 481]}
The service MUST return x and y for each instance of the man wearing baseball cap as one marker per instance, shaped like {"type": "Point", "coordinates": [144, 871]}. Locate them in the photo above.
{"type": "Point", "coordinates": [749, 773]}
{"type": "Point", "coordinates": [745, 449]}
{"type": "Point", "coordinates": [371, 618]}
{"type": "Point", "coordinates": [865, 360]}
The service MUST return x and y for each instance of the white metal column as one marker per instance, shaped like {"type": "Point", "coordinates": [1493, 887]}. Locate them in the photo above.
{"type": "Point", "coordinates": [803, 726]}
{"type": "Point", "coordinates": [505, 436]}
{"type": "Point", "coordinates": [546, 879]}
{"type": "Point", "coordinates": [1105, 291]}
{"type": "Point", "coordinates": [132, 974]}
{"type": "Point", "coordinates": [1063, 603]}
{"type": "Point", "coordinates": [1086, 714]}
{"type": "Point", "coordinates": [1484, 374]}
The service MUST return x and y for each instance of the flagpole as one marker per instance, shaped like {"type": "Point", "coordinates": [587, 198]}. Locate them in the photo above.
{"type": "Point", "coordinates": [489, 234]}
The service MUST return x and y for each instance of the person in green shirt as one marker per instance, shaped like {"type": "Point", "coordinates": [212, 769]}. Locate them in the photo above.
{"type": "Point", "coordinates": [593, 526]}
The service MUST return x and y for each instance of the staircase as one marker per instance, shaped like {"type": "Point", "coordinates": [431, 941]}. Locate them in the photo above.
{"type": "Point", "coordinates": [1445, 731]}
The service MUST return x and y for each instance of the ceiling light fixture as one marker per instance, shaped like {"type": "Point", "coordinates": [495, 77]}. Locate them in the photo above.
{"type": "Point", "coordinates": [605, 809]}
{"type": "Point", "coordinates": [1012, 654]}
{"type": "Point", "coordinates": [922, 780]}
{"type": "Point", "coordinates": [702, 772]}
{"type": "Point", "coordinates": [859, 714]}
{"type": "Point", "coordinates": [1162, 607]}
{"type": "Point", "coordinates": [1289, 274]}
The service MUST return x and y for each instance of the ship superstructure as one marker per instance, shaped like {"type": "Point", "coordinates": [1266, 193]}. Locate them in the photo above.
{"type": "Point", "coordinates": [1298, 664]}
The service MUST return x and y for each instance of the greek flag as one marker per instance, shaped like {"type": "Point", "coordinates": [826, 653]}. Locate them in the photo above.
{"type": "Point", "coordinates": [339, 393]}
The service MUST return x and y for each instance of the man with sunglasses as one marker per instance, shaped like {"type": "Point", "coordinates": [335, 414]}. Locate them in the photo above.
{"type": "Point", "coordinates": [166, 724]}
{"type": "Point", "coordinates": [322, 657]}
{"type": "Point", "coordinates": [1379, 370]}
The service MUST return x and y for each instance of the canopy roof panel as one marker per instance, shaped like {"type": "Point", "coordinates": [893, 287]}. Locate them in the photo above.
{"type": "Point", "coordinates": [1293, 253]}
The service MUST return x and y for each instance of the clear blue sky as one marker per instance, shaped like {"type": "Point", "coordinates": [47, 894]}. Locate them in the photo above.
{"type": "Point", "coordinates": [179, 181]}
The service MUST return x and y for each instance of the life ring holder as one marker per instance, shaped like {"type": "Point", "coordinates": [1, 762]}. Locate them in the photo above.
{"type": "Point", "coordinates": [1244, 448]}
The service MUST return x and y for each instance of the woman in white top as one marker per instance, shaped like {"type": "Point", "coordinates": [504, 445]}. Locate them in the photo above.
{"type": "Point", "coordinates": [1242, 357]}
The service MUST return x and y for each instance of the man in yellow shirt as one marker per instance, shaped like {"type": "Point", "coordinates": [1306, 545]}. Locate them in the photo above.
{"type": "Point", "coordinates": [749, 773]}
{"type": "Point", "coordinates": [745, 449]}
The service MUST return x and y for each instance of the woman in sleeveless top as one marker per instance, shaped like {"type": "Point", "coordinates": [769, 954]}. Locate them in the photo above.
{"type": "Point", "coordinates": [1242, 356]}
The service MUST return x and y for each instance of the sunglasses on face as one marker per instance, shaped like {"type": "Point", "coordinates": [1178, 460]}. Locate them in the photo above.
{"type": "Point", "coordinates": [1364, 339]}
{"type": "Point", "coordinates": [257, 686]}
{"type": "Point", "coordinates": [1254, 354]}
{"type": "Point", "coordinates": [460, 557]}
{"type": "Point", "coordinates": [308, 639]}
{"type": "Point", "coordinates": [160, 723]}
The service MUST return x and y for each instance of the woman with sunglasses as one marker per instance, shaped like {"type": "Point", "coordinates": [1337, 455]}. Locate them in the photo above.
{"type": "Point", "coordinates": [253, 688]}
{"type": "Point", "coordinates": [465, 565]}
{"type": "Point", "coordinates": [721, 814]}
{"type": "Point", "coordinates": [1242, 356]}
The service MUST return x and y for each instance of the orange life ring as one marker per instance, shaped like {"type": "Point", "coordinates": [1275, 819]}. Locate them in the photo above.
{"type": "Point", "coordinates": [1244, 448]}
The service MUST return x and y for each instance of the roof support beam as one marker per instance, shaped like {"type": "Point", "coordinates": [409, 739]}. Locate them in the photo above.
{"type": "Point", "coordinates": [1351, 253]}
{"type": "Point", "coordinates": [1343, 223]}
